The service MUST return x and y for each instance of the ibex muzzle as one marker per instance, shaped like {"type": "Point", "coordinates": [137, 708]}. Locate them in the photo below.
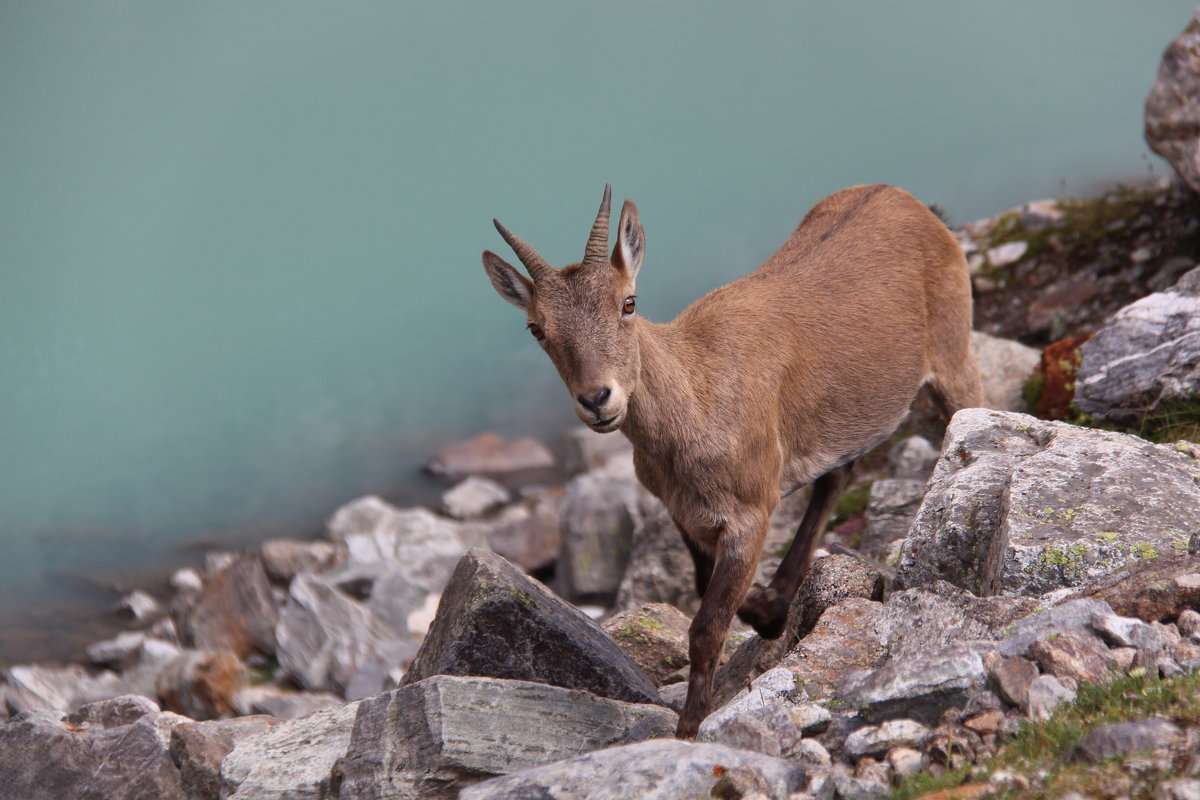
{"type": "Point", "coordinates": [781, 378]}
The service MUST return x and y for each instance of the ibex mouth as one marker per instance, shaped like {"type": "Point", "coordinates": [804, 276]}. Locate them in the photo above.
{"type": "Point", "coordinates": [606, 425]}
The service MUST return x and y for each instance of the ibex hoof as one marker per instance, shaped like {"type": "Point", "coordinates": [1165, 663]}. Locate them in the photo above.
{"type": "Point", "coordinates": [766, 611]}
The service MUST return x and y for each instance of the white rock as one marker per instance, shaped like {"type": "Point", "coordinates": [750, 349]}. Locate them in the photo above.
{"type": "Point", "coordinates": [187, 580]}
{"type": "Point", "coordinates": [140, 606]}
{"type": "Point", "coordinates": [1008, 253]}
{"type": "Point", "coordinates": [474, 497]}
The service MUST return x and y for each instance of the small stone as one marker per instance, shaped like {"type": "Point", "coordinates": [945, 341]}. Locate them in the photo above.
{"type": "Point", "coordinates": [875, 740]}
{"type": "Point", "coordinates": [473, 498]}
{"type": "Point", "coordinates": [985, 723]}
{"type": "Point", "coordinates": [1125, 738]}
{"type": "Point", "coordinates": [1123, 657]}
{"type": "Point", "coordinates": [187, 581]}
{"type": "Point", "coordinates": [139, 606]}
{"type": "Point", "coordinates": [905, 761]}
{"type": "Point", "coordinates": [810, 753]}
{"type": "Point", "coordinates": [1045, 694]}
{"type": "Point", "coordinates": [1072, 655]}
{"type": "Point", "coordinates": [1178, 789]}
{"type": "Point", "coordinates": [1188, 623]}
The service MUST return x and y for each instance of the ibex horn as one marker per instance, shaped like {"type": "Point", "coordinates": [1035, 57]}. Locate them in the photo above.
{"type": "Point", "coordinates": [537, 266]}
{"type": "Point", "coordinates": [597, 245]}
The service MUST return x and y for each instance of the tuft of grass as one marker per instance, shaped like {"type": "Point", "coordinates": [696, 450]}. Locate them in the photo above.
{"type": "Point", "coordinates": [1043, 748]}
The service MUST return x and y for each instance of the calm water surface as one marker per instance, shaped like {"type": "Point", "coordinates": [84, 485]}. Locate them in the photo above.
{"type": "Point", "coordinates": [239, 242]}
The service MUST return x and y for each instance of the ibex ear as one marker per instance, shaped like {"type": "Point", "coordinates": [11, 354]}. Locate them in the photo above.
{"type": "Point", "coordinates": [512, 285]}
{"type": "Point", "coordinates": [631, 241]}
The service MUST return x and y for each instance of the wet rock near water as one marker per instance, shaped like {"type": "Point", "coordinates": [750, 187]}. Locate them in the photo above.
{"type": "Point", "coordinates": [491, 455]}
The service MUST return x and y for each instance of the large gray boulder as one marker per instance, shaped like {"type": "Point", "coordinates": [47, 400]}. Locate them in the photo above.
{"type": "Point", "coordinates": [1147, 355]}
{"type": "Point", "coordinates": [495, 621]}
{"type": "Point", "coordinates": [1173, 105]}
{"type": "Point", "coordinates": [654, 770]}
{"type": "Point", "coordinates": [115, 750]}
{"type": "Point", "coordinates": [435, 736]}
{"type": "Point", "coordinates": [1022, 506]}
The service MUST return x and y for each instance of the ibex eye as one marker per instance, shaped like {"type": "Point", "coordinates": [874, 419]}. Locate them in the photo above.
{"type": "Point", "coordinates": [629, 305]}
{"type": "Point", "coordinates": [536, 330]}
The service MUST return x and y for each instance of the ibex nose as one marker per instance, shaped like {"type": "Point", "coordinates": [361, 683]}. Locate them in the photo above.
{"type": "Point", "coordinates": [596, 401]}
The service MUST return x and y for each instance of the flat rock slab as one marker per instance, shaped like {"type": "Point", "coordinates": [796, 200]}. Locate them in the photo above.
{"type": "Point", "coordinates": [919, 688]}
{"type": "Point", "coordinates": [110, 757]}
{"type": "Point", "coordinates": [292, 760]}
{"type": "Point", "coordinates": [654, 770]}
{"type": "Point", "coordinates": [495, 621]}
{"type": "Point", "coordinates": [1126, 738]}
{"type": "Point", "coordinates": [1022, 506]}
{"type": "Point", "coordinates": [444, 732]}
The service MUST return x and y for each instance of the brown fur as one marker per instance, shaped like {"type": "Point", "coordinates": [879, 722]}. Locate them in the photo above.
{"type": "Point", "coordinates": [782, 377]}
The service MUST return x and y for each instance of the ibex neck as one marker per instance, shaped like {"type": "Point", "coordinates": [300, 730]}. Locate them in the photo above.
{"type": "Point", "coordinates": [664, 403]}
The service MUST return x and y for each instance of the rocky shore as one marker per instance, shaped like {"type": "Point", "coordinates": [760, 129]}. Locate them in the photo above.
{"type": "Point", "coordinates": [968, 595]}
{"type": "Point", "coordinates": [1006, 606]}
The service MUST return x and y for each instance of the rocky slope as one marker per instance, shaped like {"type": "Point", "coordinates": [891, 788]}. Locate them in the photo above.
{"type": "Point", "coordinates": [1013, 613]}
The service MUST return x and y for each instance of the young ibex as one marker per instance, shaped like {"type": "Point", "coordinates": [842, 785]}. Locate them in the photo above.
{"type": "Point", "coordinates": [781, 378]}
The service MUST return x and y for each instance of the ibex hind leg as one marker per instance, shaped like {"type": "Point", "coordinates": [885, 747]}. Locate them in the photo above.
{"type": "Point", "coordinates": [702, 561]}
{"type": "Point", "coordinates": [957, 385]}
{"type": "Point", "coordinates": [766, 607]}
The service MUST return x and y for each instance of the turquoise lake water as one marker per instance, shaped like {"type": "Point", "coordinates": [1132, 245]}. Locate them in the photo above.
{"type": "Point", "coordinates": [239, 242]}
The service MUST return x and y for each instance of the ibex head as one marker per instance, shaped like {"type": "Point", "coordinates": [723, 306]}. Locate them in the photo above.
{"type": "Point", "coordinates": [583, 315]}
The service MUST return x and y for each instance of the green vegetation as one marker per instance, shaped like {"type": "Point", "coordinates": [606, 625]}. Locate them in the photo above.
{"type": "Point", "coordinates": [1043, 748]}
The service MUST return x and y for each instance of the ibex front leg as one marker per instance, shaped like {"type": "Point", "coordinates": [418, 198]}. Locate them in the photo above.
{"type": "Point", "coordinates": [766, 608]}
{"type": "Point", "coordinates": [738, 547]}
